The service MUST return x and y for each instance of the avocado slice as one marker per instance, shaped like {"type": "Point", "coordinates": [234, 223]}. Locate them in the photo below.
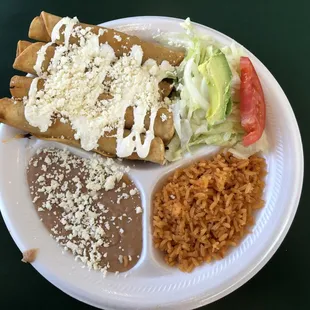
{"type": "Point", "coordinates": [218, 75]}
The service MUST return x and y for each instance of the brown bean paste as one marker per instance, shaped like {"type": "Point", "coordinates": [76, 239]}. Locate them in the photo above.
{"type": "Point", "coordinates": [90, 207]}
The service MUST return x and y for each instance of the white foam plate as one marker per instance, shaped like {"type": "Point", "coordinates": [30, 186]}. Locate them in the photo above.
{"type": "Point", "coordinates": [151, 284]}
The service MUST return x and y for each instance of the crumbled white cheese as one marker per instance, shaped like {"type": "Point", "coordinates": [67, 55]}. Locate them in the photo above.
{"type": "Point", "coordinates": [41, 178]}
{"type": "Point", "coordinates": [163, 117]}
{"type": "Point", "coordinates": [47, 160]}
{"type": "Point", "coordinates": [117, 38]}
{"type": "Point", "coordinates": [138, 210]}
{"type": "Point", "coordinates": [122, 196]}
{"type": "Point", "coordinates": [133, 192]}
{"type": "Point", "coordinates": [102, 31]}
{"type": "Point", "coordinates": [120, 259]}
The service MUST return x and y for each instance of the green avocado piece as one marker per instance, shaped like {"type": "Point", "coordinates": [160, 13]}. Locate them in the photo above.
{"type": "Point", "coordinates": [218, 75]}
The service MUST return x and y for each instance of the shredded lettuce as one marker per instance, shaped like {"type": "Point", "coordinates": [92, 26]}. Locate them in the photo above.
{"type": "Point", "coordinates": [233, 54]}
{"type": "Point", "coordinates": [191, 105]}
{"type": "Point", "coordinates": [174, 152]}
{"type": "Point", "coordinates": [241, 151]}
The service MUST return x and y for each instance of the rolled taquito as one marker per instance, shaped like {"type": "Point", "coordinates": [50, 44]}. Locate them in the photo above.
{"type": "Point", "coordinates": [21, 46]}
{"type": "Point", "coordinates": [42, 26]}
{"type": "Point", "coordinates": [20, 85]}
{"type": "Point", "coordinates": [163, 126]}
{"type": "Point", "coordinates": [26, 59]}
{"type": "Point", "coordinates": [12, 114]}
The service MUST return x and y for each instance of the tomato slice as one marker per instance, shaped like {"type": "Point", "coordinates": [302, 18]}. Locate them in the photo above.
{"type": "Point", "coordinates": [252, 103]}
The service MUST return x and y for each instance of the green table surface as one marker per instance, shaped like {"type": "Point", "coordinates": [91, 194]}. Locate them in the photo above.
{"type": "Point", "coordinates": [277, 32]}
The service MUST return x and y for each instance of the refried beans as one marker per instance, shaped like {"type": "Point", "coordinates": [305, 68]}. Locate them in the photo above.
{"type": "Point", "coordinates": [90, 206]}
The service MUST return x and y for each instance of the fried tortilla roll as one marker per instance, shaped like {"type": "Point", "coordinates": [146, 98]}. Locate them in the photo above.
{"type": "Point", "coordinates": [163, 126]}
{"type": "Point", "coordinates": [26, 60]}
{"type": "Point", "coordinates": [13, 115]}
{"type": "Point", "coordinates": [20, 85]}
{"type": "Point", "coordinates": [42, 26]}
{"type": "Point", "coordinates": [21, 46]}
{"type": "Point", "coordinates": [26, 57]}
{"type": "Point", "coordinates": [37, 30]}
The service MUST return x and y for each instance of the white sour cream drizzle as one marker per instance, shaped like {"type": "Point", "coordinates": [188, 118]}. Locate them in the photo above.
{"type": "Point", "coordinates": [132, 143]}
{"type": "Point", "coordinates": [90, 129]}
{"type": "Point", "coordinates": [40, 58]}
{"type": "Point", "coordinates": [143, 149]}
{"type": "Point", "coordinates": [55, 35]}
{"type": "Point", "coordinates": [69, 24]}
{"type": "Point", "coordinates": [33, 90]}
{"type": "Point", "coordinates": [42, 122]}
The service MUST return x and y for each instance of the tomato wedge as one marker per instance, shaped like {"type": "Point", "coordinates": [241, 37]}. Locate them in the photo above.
{"type": "Point", "coordinates": [252, 103]}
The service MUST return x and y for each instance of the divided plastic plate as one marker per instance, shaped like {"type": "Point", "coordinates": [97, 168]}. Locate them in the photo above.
{"type": "Point", "coordinates": [151, 284]}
